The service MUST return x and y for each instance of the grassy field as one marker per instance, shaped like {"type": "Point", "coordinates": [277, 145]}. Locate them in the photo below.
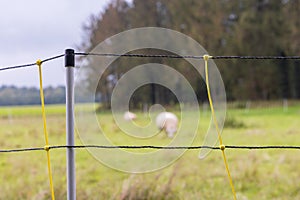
{"type": "Point", "coordinates": [257, 174]}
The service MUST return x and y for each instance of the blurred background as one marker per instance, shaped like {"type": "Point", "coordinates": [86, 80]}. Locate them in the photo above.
{"type": "Point", "coordinates": [251, 28]}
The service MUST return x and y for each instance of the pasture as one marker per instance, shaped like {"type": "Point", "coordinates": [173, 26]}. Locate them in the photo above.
{"type": "Point", "coordinates": [257, 174]}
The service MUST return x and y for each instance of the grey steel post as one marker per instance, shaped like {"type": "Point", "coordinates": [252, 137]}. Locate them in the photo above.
{"type": "Point", "coordinates": [71, 179]}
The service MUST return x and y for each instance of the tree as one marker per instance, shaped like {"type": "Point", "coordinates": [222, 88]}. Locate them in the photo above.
{"type": "Point", "coordinates": [223, 27]}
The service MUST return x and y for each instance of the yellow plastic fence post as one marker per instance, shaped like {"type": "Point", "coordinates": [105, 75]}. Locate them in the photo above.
{"type": "Point", "coordinates": [222, 146]}
{"type": "Point", "coordinates": [39, 64]}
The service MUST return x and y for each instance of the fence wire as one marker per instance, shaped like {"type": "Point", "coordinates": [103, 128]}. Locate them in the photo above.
{"type": "Point", "coordinates": [31, 64]}
{"type": "Point", "coordinates": [270, 147]}
{"type": "Point", "coordinates": [155, 56]}
{"type": "Point", "coordinates": [189, 56]}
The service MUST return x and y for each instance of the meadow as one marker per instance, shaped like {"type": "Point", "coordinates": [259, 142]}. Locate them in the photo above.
{"type": "Point", "coordinates": [257, 174]}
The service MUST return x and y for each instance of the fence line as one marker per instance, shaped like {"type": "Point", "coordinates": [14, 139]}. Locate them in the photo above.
{"type": "Point", "coordinates": [69, 58]}
{"type": "Point", "coordinates": [155, 56]}
{"type": "Point", "coordinates": [246, 147]}
{"type": "Point", "coordinates": [189, 56]}
{"type": "Point", "coordinates": [31, 64]}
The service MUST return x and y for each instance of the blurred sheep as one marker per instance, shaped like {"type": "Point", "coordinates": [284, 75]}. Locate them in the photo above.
{"type": "Point", "coordinates": [168, 122]}
{"type": "Point", "coordinates": [129, 116]}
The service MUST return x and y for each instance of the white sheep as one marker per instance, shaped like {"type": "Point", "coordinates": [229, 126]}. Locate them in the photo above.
{"type": "Point", "coordinates": [128, 116]}
{"type": "Point", "coordinates": [168, 122]}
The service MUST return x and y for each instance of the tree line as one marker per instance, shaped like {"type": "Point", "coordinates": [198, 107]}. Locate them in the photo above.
{"type": "Point", "coordinates": [222, 27]}
{"type": "Point", "coordinates": [12, 95]}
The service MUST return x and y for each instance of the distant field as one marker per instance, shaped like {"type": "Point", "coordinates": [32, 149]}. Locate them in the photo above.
{"type": "Point", "coordinates": [35, 110]}
{"type": "Point", "coordinates": [257, 174]}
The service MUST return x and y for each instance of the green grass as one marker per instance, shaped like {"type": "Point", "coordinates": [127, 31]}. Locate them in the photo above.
{"type": "Point", "coordinates": [18, 111]}
{"type": "Point", "coordinates": [257, 174]}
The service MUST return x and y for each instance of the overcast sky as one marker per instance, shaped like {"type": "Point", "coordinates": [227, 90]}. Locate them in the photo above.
{"type": "Point", "coordinates": [35, 29]}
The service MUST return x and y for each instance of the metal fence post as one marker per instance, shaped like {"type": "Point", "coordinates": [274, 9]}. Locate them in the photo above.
{"type": "Point", "coordinates": [71, 179]}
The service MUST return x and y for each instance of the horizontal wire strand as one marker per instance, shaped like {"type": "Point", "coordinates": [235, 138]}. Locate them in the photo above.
{"type": "Point", "coordinates": [155, 56]}
{"type": "Point", "coordinates": [17, 66]}
{"type": "Point", "coordinates": [138, 55]}
{"type": "Point", "coordinates": [53, 58]}
{"type": "Point", "coordinates": [150, 147]}
{"type": "Point", "coordinates": [21, 149]}
{"type": "Point", "coordinates": [185, 56]}
{"type": "Point", "coordinates": [31, 64]}
{"type": "Point", "coordinates": [258, 57]}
